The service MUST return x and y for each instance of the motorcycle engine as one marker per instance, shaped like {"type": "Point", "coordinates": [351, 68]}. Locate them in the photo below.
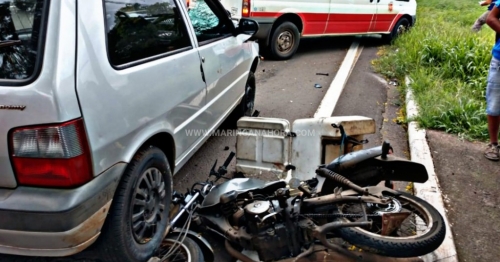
{"type": "Point", "coordinates": [270, 237]}
{"type": "Point", "coordinates": [259, 217]}
{"type": "Point", "coordinates": [272, 231]}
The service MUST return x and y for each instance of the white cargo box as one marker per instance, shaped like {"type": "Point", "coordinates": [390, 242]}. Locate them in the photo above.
{"type": "Point", "coordinates": [271, 145]}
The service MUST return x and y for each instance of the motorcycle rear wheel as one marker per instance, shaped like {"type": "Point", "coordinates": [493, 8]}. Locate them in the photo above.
{"type": "Point", "coordinates": [397, 245]}
{"type": "Point", "coordinates": [185, 251]}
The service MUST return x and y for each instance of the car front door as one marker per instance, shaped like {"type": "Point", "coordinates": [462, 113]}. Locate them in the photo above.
{"type": "Point", "coordinates": [351, 16]}
{"type": "Point", "coordinates": [223, 58]}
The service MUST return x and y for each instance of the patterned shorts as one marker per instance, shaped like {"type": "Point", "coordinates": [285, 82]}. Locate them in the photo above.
{"type": "Point", "coordinates": [493, 89]}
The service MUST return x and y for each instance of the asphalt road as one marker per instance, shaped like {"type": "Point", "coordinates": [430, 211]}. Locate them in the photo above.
{"type": "Point", "coordinates": [285, 89]}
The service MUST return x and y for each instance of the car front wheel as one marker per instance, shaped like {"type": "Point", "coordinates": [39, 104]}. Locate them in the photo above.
{"type": "Point", "coordinates": [138, 217]}
{"type": "Point", "coordinates": [247, 104]}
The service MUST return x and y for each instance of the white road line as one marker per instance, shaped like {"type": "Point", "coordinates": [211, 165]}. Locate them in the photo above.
{"type": "Point", "coordinates": [332, 96]}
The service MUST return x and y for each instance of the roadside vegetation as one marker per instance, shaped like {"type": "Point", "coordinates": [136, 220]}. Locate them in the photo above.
{"type": "Point", "coordinates": [448, 65]}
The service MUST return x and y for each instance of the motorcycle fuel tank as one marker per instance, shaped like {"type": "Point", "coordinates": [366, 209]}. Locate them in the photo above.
{"type": "Point", "coordinates": [239, 185]}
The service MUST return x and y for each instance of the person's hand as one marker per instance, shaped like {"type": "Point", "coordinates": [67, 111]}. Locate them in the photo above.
{"type": "Point", "coordinates": [482, 3]}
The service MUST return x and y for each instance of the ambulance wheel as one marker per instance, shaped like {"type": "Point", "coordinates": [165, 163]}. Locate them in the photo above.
{"type": "Point", "coordinates": [400, 28]}
{"type": "Point", "coordinates": [285, 41]}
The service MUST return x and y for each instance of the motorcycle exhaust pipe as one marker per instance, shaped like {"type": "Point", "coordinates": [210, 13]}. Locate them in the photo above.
{"type": "Point", "coordinates": [236, 254]}
{"type": "Point", "coordinates": [341, 179]}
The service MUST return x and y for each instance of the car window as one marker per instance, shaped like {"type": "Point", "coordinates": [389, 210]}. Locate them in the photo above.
{"type": "Point", "coordinates": [206, 24]}
{"type": "Point", "coordinates": [21, 38]}
{"type": "Point", "coordinates": [139, 29]}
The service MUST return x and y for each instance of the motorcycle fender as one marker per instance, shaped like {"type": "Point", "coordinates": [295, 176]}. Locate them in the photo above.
{"type": "Point", "coordinates": [206, 248]}
{"type": "Point", "coordinates": [400, 169]}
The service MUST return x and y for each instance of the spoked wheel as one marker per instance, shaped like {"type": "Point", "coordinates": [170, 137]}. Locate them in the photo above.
{"type": "Point", "coordinates": [148, 205]}
{"type": "Point", "coordinates": [172, 250]}
{"type": "Point", "coordinates": [405, 227]}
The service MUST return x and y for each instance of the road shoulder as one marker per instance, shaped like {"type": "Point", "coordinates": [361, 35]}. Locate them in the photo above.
{"type": "Point", "coordinates": [470, 185]}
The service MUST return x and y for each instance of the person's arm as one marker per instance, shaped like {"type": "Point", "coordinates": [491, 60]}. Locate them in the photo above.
{"type": "Point", "coordinates": [486, 2]}
{"type": "Point", "coordinates": [492, 19]}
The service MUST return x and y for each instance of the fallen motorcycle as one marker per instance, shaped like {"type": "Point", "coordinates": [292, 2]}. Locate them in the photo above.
{"type": "Point", "coordinates": [280, 221]}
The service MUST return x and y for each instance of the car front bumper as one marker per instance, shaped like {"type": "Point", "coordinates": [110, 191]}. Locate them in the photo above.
{"type": "Point", "coordinates": [55, 222]}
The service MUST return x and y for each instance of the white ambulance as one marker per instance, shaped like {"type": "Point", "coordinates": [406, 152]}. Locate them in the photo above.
{"type": "Point", "coordinates": [283, 22]}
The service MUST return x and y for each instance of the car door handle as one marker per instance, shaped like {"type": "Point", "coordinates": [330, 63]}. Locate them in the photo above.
{"type": "Point", "coordinates": [203, 59]}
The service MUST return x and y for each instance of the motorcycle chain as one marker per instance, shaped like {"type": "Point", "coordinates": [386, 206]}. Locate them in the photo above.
{"type": "Point", "coordinates": [338, 215]}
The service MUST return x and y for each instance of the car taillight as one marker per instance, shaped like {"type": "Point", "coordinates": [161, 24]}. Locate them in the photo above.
{"type": "Point", "coordinates": [245, 9]}
{"type": "Point", "coordinates": [51, 155]}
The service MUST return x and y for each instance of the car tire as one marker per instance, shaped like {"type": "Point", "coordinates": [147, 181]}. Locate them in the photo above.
{"type": "Point", "coordinates": [284, 41]}
{"type": "Point", "coordinates": [137, 220]}
{"type": "Point", "coordinates": [401, 26]}
{"type": "Point", "coordinates": [247, 104]}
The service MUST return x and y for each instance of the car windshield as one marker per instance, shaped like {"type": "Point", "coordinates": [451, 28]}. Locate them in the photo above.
{"type": "Point", "coordinates": [20, 36]}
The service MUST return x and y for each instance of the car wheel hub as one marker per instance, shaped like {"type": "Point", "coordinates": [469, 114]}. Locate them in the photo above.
{"type": "Point", "coordinates": [148, 205]}
{"type": "Point", "coordinates": [285, 41]}
{"type": "Point", "coordinates": [401, 29]}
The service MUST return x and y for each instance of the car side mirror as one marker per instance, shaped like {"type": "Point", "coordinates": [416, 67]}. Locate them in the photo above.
{"type": "Point", "coordinates": [247, 26]}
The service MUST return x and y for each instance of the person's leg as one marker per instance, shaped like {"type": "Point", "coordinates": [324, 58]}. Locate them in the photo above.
{"type": "Point", "coordinates": [480, 22]}
{"type": "Point", "coordinates": [493, 109]}
{"type": "Point", "coordinates": [493, 126]}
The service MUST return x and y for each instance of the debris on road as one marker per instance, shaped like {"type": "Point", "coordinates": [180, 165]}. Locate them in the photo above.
{"type": "Point", "coordinates": [317, 86]}
{"type": "Point", "coordinates": [393, 82]}
{"type": "Point", "coordinates": [322, 74]}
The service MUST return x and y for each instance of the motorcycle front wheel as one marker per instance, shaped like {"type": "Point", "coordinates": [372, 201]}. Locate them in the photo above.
{"type": "Point", "coordinates": [420, 233]}
{"type": "Point", "coordinates": [172, 250]}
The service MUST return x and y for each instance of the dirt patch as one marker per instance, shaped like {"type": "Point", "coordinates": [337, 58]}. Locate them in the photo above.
{"type": "Point", "coordinates": [470, 186]}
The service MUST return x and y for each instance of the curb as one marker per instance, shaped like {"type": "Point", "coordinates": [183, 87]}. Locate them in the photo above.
{"type": "Point", "coordinates": [430, 190]}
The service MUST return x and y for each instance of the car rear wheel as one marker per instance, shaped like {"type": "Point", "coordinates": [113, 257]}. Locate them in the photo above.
{"type": "Point", "coordinates": [138, 217]}
{"type": "Point", "coordinates": [285, 41]}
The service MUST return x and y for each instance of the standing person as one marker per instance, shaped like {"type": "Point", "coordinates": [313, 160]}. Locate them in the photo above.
{"type": "Point", "coordinates": [482, 19]}
{"type": "Point", "coordinates": [493, 88]}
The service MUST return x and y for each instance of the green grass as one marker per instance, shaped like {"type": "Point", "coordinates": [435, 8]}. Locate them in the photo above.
{"type": "Point", "coordinates": [448, 65]}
